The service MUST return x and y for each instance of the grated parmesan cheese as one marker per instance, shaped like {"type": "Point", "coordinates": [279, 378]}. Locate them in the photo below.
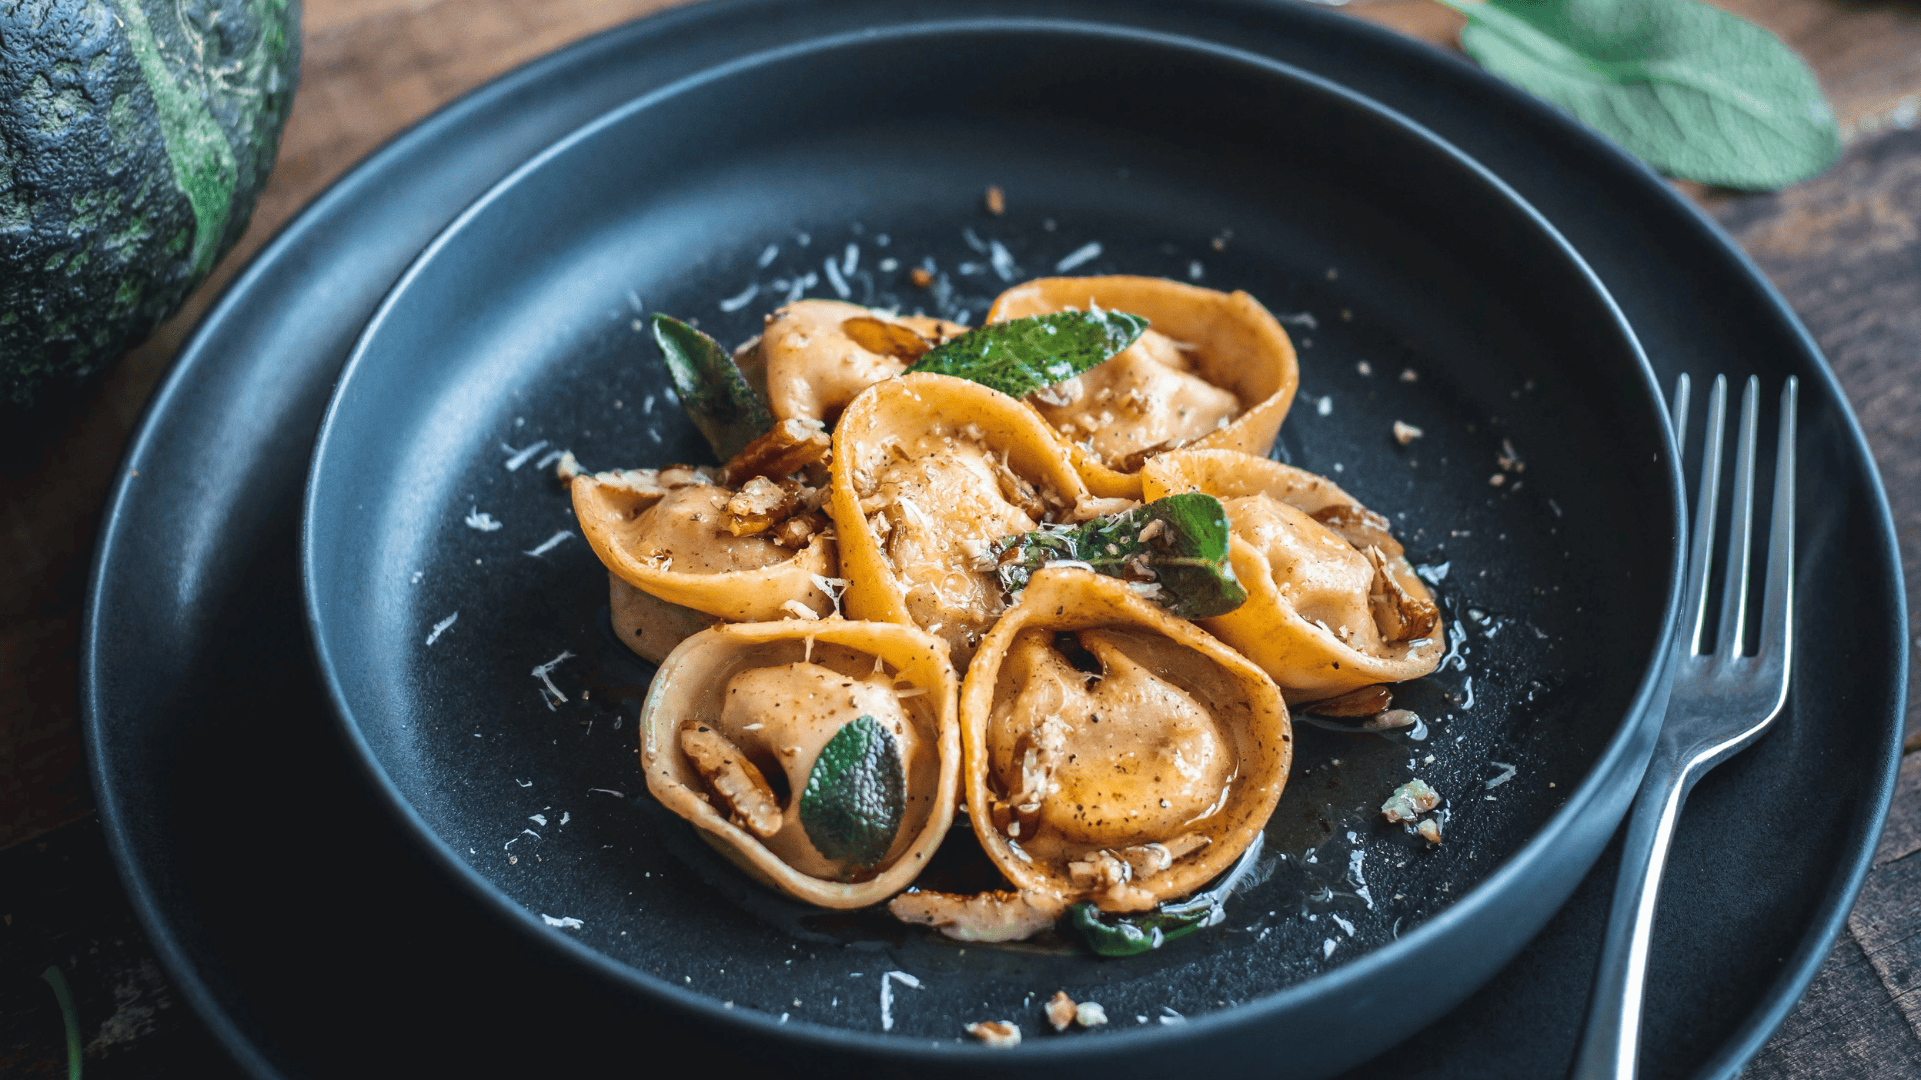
{"type": "Point", "coordinates": [1079, 255]}
{"type": "Point", "coordinates": [521, 456]}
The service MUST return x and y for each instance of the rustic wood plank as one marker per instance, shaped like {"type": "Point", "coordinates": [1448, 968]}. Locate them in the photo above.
{"type": "Point", "coordinates": [61, 905]}
{"type": "Point", "coordinates": [1859, 1016]}
{"type": "Point", "coordinates": [1886, 921]}
{"type": "Point", "coordinates": [1902, 837]}
{"type": "Point", "coordinates": [1844, 1027]}
{"type": "Point", "coordinates": [1845, 251]}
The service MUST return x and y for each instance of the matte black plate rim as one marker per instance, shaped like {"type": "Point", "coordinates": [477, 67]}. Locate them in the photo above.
{"type": "Point", "coordinates": [1621, 762]}
{"type": "Point", "coordinates": [117, 521]}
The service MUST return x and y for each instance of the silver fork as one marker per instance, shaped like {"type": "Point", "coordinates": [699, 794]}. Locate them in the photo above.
{"type": "Point", "coordinates": [1722, 701]}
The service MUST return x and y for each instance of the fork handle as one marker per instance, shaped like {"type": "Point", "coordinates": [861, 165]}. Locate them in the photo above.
{"type": "Point", "coordinates": [1611, 1042]}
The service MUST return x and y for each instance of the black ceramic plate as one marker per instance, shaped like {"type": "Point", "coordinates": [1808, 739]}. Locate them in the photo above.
{"type": "Point", "coordinates": [473, 663]}
{"type": "Point", "coordinates": [312, 939]}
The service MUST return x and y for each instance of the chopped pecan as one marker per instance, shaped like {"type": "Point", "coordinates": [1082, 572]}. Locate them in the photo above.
{"type": "Point", "coordinates": [1133, 462]}
{"type": "Point", "coordinates": [1061, 1011]}
{"type": "Point", "coordinates": [796, 531]}
{"type": "Point", "coordinates": [759, 505]}
{"type": "Point", "coordinates": [1146, 860]}
{"type": "Point", "coordinates": [643, 482]}
{"type": "Point", "coordinates": [1410, 801]}
{"type": "Point", "coordinates": [733, 779]}
{"type": "Point", "coordinates": [791, 446]}
{"type": "Point", "coordinates": [988, 916]}
{"type": "Point", "coordinates": [679, 476]}
{"type": "Point", "coordinates": [1015, 489]}
{"type": "Point", "coordinates": [1360, 527]}
{"type": "Point", "coordinates": [1401, 615]}
{"type": "Point", "coordinates": [996, 1032]}
{"type": "Point", "coordinates": [1107, 877]}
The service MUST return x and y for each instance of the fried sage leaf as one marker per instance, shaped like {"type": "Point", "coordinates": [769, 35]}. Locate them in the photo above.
{"type": "Point", "coordinates": [1695, 91]}
{"type": "Point", "coordinates": [711, 388]}
{"type": "Point", "coordinates": [855, 795]}
{"type": "Point", "coordinates": [1175, 547]}
{"type": "Point", "coordinates": [1129, 935]}
{"type": "Point", "coordinates": [1020, 356]}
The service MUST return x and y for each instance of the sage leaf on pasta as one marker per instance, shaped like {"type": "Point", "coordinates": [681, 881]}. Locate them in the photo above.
{"type": "Point", "coordinates": [1174, 549]}
{"type": "Point", "coordinates": [1020, 356]}
{"type": "Point", "coordinates": [711, 388]}
{"type": "Point", "coordinates": [1692, 90]}
{"type": "Point", "coordinates": [854, 799]}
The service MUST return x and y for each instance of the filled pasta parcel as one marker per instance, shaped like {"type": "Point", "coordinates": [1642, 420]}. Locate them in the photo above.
{"type": "Point", "coordinates": [1333, 605]}
{"type": "Point", "coordinates": [685, 549]}
{"type": "Point", "coordinates": [1114, 756]}
{"type": "Point", "coordinates": [1214, 369]}
{"type": "Point", "coordinates": [929, 472]}
{"type": "Point", "coordinates": [823, 758]}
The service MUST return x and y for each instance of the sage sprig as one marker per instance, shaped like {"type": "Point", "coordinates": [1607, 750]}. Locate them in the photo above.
{"type": "Point", "coordinates": [1694, 91]}
{"type": "Point", "coordinates": [1020, 356]}
{"type": "Point", "coordinates": [1176, 548]}
{"type": "Point", "coordinates": [711, 388]}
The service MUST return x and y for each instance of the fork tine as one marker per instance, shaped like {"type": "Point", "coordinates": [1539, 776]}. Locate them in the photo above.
{"type": "Point", "coordinates": [1777, 636]}
{"type": "Point", "coordinates": [1701, 530]}
{"type": "Point", "coordinates": [1678, 407]}
{"type": "Point", "coordinates": [1734, 584]}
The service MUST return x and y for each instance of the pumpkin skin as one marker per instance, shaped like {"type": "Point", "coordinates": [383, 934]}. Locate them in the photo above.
{"type": "Point", "coordinates": [135, 136]}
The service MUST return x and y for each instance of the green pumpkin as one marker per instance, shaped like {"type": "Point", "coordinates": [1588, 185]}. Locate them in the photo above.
{"type": "Point", "coordinates": [135, 136]}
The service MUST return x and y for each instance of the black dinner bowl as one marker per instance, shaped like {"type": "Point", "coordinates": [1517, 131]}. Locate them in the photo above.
{"type": "Point", "coordinates": [1542, 499]}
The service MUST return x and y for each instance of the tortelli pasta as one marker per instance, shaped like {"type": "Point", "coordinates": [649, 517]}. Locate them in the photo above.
{"type": "Point", "coordinates": [741, 716]}
{"type": "Point", "coordinates": [1332, 603]}
{"type": "Point", "coordinates": [919, 593]}
{"type": "Point", "coordinates": [1114, 753]}
{"type": "Point", "coordinates": [1214, 370]}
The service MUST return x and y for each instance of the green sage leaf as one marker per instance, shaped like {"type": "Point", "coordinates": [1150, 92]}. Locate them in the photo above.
{"type": "Point", "coordinates": [1182, 564]}
{"type": "Point", "coordinates": [1020, 356]}
{"type": "Point", "coordinates": [1130, 935]}
{"type": "Point", "coordinates": [1696, 92]}
{"type": "Point", "coordinates": [711, 388]}
{"type": "Point", "coordinates": [855, 795]}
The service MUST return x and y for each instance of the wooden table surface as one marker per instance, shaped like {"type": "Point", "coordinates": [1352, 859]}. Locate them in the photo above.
{"type": "Point", "coordinates": [1845, 249]}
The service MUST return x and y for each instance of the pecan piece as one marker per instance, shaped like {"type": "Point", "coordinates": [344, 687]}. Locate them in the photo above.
{"type": "Point", "coordinates": [759, 505]}
{"type": "Point", "coordinates": [1401, 615]}
{"type": "Point", "coordinates": [733, 779]}
{"type": "Point", "coordinates": [1061, 1011]}
{"type": "Point", "coordinates": [1360, 527]}
{"type": "Point", "coordinates": [791, 446]}
{"type": "Point", "coordinates": [996, 1032]}
{"type": "Point", "coordinates": [988, 916]}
